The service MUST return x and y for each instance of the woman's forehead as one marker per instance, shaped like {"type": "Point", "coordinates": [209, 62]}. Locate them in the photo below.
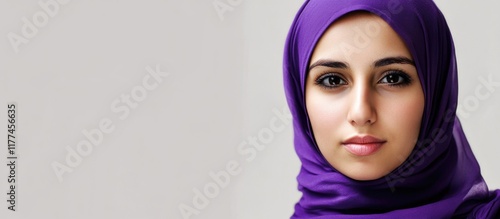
{"type": "Point", "coordinates": [359, 36]}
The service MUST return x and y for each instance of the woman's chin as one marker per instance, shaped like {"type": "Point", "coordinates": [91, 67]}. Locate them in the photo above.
{"type": "Point", "coordinates": [364, 174]}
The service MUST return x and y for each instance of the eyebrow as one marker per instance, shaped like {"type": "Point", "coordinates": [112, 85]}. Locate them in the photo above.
{"type": "Point", "coordinates": [394, 60]}
{"type": "Point", "coordinates": [378, 63]}
{"type": "Point", "coordinates": [328, 63]}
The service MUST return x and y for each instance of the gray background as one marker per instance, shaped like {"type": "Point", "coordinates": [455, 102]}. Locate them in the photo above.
{"type": "Point", "coordinates": [223, 88]}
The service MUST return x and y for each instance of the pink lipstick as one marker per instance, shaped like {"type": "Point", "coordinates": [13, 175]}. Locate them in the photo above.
{"type": "Point", "coordinates": [363, 145]}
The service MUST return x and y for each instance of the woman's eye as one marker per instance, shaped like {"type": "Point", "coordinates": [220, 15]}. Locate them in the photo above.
{"type": "Point", "coordinates": [331, 81]}
{"type": "Point", "coordinates": [396, 78]}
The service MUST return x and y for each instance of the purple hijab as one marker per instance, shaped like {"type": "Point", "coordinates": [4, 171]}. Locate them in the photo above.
{"type": "Point", "coordinates": [441, 178]}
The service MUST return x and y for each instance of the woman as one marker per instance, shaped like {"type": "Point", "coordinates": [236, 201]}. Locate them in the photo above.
{"type": "Point", "coordinates": [372, 87]}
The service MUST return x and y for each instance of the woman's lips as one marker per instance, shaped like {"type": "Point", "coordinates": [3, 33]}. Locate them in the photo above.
{"type": "Point", "coordinates": [363, 145]}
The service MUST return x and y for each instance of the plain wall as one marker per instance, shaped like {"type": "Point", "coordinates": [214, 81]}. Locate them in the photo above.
{"type": "Point", "coordinates": [224, 91]}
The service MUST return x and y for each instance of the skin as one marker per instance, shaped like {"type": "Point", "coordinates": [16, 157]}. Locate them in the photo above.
{"type": "Point", "coordinates": [349, 94]}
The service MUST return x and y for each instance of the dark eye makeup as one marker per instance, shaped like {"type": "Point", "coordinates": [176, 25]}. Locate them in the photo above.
{"type": "Point", "coordinates": [330, 80]}
{"type": "Point", "coordinates": [396, 78]}
{"type": "Point", "coordinates": [393, 78]}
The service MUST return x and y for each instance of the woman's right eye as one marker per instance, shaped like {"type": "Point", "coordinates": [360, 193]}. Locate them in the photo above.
{"type": "Point", "coordinates": [330, 81]}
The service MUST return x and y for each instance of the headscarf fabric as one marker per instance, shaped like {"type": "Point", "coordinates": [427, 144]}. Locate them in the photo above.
{"type": "Point", "coordinates": [441, 178]}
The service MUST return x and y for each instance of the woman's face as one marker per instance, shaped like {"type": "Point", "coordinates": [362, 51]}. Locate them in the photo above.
{"type": "Point", "coordinates": [363, 97]}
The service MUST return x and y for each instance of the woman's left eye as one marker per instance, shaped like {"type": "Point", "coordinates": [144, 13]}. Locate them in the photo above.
{"type": "Point", "coordinates": [396, 78]}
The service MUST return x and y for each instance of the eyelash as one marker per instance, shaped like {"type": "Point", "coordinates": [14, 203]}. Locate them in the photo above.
{"type": "Point", "coordinates": [321, 80]}
{"type": "Point", "coordinates": [406, 79]}
{"type": "Point", "coordinates": [403, 77]}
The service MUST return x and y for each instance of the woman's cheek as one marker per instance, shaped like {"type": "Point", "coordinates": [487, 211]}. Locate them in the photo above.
{"type": "Point", "coordinates": [404, 114]}
{"type": "Point", "coordinates": [326, 115]}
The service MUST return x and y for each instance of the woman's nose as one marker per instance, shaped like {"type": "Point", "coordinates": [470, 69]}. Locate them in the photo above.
{"type": "Point", "coordinates": [362, 110]}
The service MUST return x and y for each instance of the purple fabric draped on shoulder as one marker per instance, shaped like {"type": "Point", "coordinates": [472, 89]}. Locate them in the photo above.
{"type": "Point", "coordinates": [441, 178]}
